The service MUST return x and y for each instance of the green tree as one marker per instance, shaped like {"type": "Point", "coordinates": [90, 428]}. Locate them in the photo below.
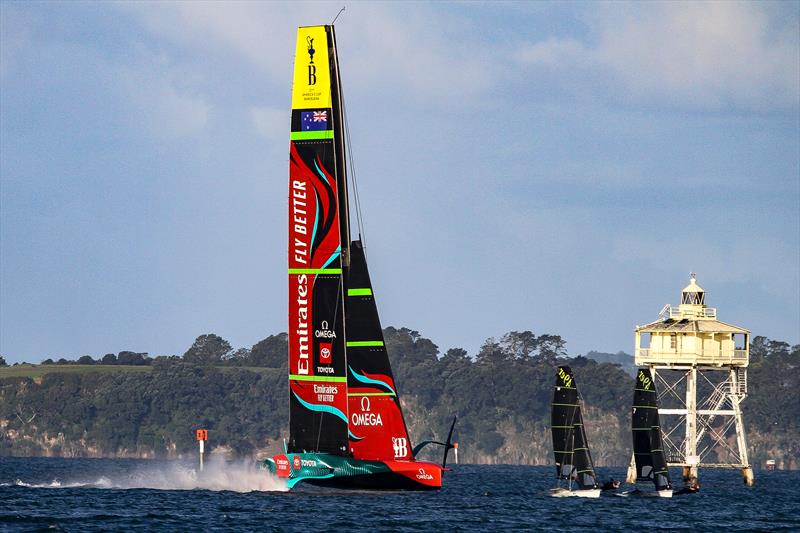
{"type": "Point", "coordinates": [208, 349]}
{"type": "Point", "coordinates": [272, 352]}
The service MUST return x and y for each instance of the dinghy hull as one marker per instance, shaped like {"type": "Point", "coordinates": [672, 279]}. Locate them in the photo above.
{"type": "Point", "coordinates": [566, 493]}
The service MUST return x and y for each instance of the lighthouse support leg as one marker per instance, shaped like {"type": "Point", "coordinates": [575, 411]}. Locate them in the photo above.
{"type": "Point", "coordinates": [690, 456]}
{"type": "Point", "coordinates": [741, 441]}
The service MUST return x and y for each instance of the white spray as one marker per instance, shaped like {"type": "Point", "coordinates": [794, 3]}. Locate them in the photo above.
{"type": "Point", "coordinates": [238, 476]}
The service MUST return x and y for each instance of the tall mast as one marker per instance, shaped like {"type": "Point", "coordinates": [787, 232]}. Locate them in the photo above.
{"type": "Point", "coordinates": [339, 152]}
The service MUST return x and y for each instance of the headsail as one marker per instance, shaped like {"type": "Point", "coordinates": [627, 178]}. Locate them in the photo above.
{"type": "Point", "coordinates": [317, 205]}
{"type": "Point", "coordinates": [648, 450]}
{"type": "Point", "coordinates": [571, 449]}
{"type": "Point", "coordinates": [377, 428]}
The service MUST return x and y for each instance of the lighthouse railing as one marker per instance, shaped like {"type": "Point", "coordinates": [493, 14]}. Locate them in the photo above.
{"type": "Point", "coordinates": [676, 313]}
{"type": "Point", "coordinates": [725, 357]}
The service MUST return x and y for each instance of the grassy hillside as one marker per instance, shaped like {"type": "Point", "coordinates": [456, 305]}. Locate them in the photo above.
{"type": "Point", "coordinates": [37, 371]}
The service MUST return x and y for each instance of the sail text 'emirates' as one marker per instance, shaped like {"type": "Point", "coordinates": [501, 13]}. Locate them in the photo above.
{"type": "Point", "coordinates": [302, 323]}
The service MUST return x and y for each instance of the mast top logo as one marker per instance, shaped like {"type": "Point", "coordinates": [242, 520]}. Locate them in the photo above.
{"type": "Point", "coordinates": [310, 41]}
{"type": "Point", "coordinates": [311, 88]}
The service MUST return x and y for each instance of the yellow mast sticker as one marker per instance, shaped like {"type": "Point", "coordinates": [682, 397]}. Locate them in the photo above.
{"type": "Point", "coordinates": [311, 88]}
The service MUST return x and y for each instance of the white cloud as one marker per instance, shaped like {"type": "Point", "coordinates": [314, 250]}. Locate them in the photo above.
{"type": "Point", "coordinates": [707, 55]}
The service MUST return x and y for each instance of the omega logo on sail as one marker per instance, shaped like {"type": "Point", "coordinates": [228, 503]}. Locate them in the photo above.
{"type": "Point", "coordinates": [366, 418]}
{"type": "Point", "coordinates": [323, 331]}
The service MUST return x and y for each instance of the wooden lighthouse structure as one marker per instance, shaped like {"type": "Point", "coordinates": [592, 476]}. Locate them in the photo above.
{"type": "Point", "coordinates": [700, 367]}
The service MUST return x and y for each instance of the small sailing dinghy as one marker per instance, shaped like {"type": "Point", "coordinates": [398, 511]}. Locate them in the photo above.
{"type": "Point", "coordinates": [648, 450]}
{"type": "Point", "coordinates": [574, 467]}
{"type": "Point", "coordinates": [346, 426]}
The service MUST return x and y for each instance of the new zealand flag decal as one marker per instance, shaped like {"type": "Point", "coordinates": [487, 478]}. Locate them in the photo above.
{"type": "Point", "coordinates": [314, 120]}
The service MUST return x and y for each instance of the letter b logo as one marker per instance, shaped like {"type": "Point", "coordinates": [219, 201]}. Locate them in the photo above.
{"type": "Point", "coordinates": [400, 446]}
{"type": "Point", "coordinates": [312, 75]}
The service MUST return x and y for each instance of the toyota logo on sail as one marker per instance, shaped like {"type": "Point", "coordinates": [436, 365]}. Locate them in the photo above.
{"type": "Point", "coordinates": [423, 474]}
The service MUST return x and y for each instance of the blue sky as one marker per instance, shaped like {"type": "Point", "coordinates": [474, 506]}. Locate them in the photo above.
{"type": "Point", "coordinates": [557, 167]}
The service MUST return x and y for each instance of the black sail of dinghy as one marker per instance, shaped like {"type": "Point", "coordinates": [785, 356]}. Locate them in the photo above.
{"type": "Point", "coordinates": [648, 450]}
{"type": "Point", "coordinates": [570, 447]}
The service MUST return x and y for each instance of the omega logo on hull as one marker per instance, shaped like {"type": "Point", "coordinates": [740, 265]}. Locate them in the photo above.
{"type": "Point", "coordinates": [424, 475]}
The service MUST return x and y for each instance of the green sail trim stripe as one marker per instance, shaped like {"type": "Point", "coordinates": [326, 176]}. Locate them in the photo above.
{"type": "Point", "coordinates": [311, 135]}
{"type": "Point", "coordinates": [561, 427]}
{"type": "Point", "coordinates": [564, 452]}
{"type": "Point", "coordinates": [329, 379]}
{"type": "Point", "coordinates": [357, 344]}
{"type": "Point", "coordinates": [371, 394]}
{"type": "Point", "coordinates": [359, 292]}
{"type": "Point", "coordinates": [566, 404]}
{"type": "Point", "coordinates": [315, 271]}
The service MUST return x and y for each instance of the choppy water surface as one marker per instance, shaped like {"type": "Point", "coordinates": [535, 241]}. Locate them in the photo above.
{"type": "Point", "coordinates": [102, 495]}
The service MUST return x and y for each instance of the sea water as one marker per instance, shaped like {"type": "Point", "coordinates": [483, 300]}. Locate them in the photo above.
{"type": "Point", "coordinates": [126, 495]}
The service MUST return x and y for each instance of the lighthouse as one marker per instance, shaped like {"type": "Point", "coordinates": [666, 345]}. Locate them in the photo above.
{"type": "Point", "coordinates": [700, 364]}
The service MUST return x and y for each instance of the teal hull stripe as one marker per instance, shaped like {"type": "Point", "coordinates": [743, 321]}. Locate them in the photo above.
{"type": "Point", "coordinates": [321, 408]}
{"type": "Point", "coordinates": [370, 381]}
{"type": "Point", "coordinates": [294, 481]}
